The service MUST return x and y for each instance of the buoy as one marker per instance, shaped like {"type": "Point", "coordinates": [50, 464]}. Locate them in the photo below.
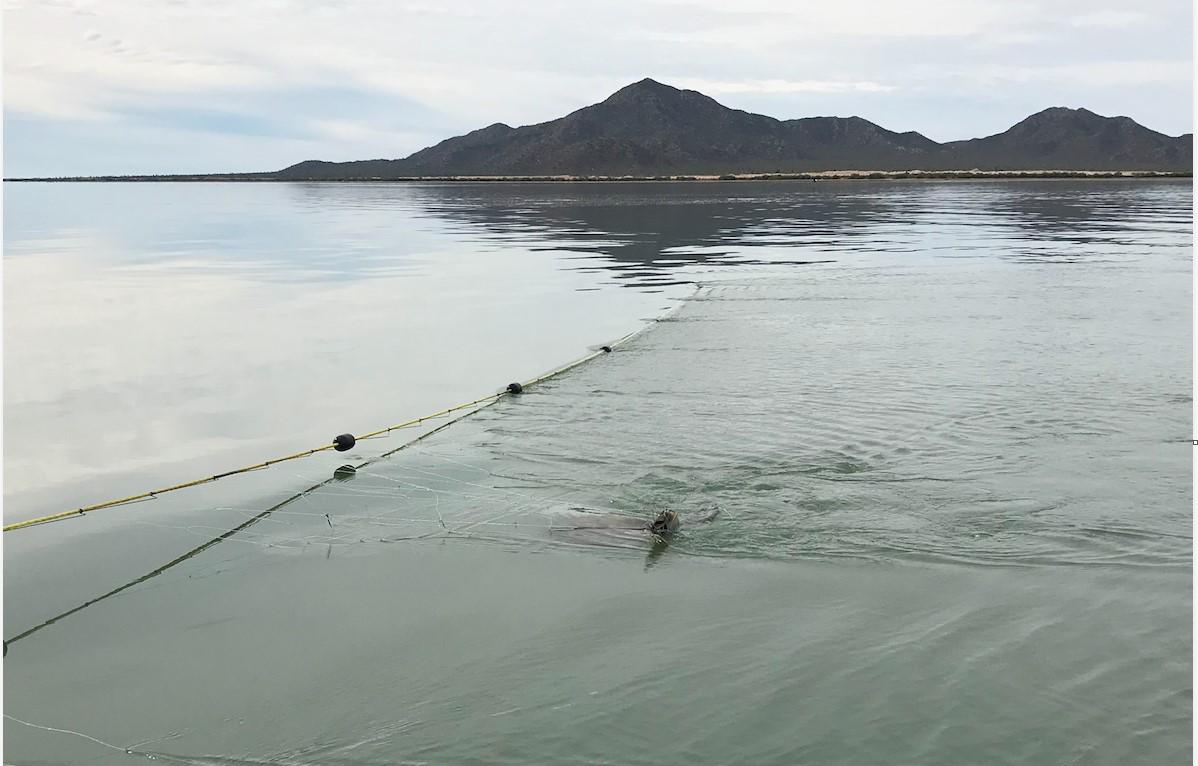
{"type": "Point", "coordinates": [344, 442]}
{"type": "Point", "coordinates": [345, 473]}
{"type": "Point", "coordinates": [514, 388]}
{"type": "Point", "coordinates": [606, 349]}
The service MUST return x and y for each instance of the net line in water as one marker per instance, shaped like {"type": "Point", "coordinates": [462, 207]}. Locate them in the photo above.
{"type": "Point", "coordinates": [130, 750]}
{"type": "Point", "coordinates": [253, 520]}
{"type": "Point", "coordinates": [404, 492]}
{"type": "Point", "coordinates": [401, 492]}
{"type": "Point", "coordinates": [340, 443]}
{"type": "Point", "coordinates": [442, 530]}
{"type": "Point", "coordinates": [258, 517]}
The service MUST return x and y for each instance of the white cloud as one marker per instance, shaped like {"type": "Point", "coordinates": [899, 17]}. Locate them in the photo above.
{"type": "Point", "coordinates": [871, 18]}
{"type": "Point", "coordinates": [1098, 73]}
{"type": "Point", "coordinates": [31, 91]}
{"type": "Point", "coordinates": [1110, 19]}
{"type": "Point", "coordinates": [714, 87]}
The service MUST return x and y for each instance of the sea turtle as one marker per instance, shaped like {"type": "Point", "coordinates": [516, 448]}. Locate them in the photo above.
{"type": "Point", "coordinates": [598, 528]}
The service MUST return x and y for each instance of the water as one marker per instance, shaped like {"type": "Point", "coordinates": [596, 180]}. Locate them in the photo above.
{"type": "Point", "coordinates": [945, 425]}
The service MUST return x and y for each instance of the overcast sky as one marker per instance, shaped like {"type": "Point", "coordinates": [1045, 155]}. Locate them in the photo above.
{"type": "Point", "coordinates": [146, 86]}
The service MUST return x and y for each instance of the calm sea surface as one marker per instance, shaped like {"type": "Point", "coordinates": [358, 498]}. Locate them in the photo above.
{"type": "Point", "coordinates": [932, 441]}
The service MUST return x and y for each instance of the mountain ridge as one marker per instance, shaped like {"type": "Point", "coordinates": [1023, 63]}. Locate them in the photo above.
{"type": "Point", "coordinates": [649, 128]}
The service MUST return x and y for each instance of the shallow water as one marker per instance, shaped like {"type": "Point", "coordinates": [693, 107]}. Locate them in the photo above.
{"type": "Point", "coordinates": [945, 426]}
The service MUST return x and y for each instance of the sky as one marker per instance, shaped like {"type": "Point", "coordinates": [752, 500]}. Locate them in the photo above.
{"type": "Point", "coordinates": [192, 86]}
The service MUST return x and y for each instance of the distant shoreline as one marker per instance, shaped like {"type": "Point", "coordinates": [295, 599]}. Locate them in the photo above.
{"type": "Point", "coordinates": [823, 175]}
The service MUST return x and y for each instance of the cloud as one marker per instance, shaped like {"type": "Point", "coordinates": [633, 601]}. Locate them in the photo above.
{"type": "Point", "coordinates": [869, 18]}
{"type": "Point", "coordinates": [1110, 19]}
{"type": "Point", "coordinates": [1098, 73]}
{"type": "Point", "coordinates": [713, 87]}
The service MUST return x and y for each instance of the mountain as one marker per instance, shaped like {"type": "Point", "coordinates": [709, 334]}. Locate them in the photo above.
{"type": "Point", "coordinates": [648, 128]}
{"type": "Point", "coordinates": [1061, 138]}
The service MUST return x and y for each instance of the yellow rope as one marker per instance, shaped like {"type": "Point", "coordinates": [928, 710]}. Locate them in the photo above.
{"type": "Point", "coordinates": [418, 421]}
{"type": "Point", "coordinates": [266, 464]}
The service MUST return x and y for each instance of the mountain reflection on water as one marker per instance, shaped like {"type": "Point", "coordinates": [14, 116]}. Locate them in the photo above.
{"type": "Point", "coordinates": [644, 232]}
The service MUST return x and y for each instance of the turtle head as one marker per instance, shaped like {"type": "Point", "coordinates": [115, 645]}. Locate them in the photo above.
{"type": "Point", "coordinates": [665, 523]}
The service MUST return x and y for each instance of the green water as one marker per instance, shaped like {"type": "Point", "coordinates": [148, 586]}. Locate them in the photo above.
{"type": "Point", "coordinates": [946, 428]}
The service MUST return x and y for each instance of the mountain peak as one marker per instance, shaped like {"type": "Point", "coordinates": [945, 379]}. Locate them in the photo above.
{"type": "Point", "coordinates": [649, 91]}
{"type": "Point", "coordinates": [1058, 115]}
{"type": "Point", "coordinates": [1060, 123]}
{"type": "Point", "coordinates": [1060, 111]}
{"type": "Point", "coordinates": [645, 104]}
{"type": "Point", "coordinates": [647, 85]}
